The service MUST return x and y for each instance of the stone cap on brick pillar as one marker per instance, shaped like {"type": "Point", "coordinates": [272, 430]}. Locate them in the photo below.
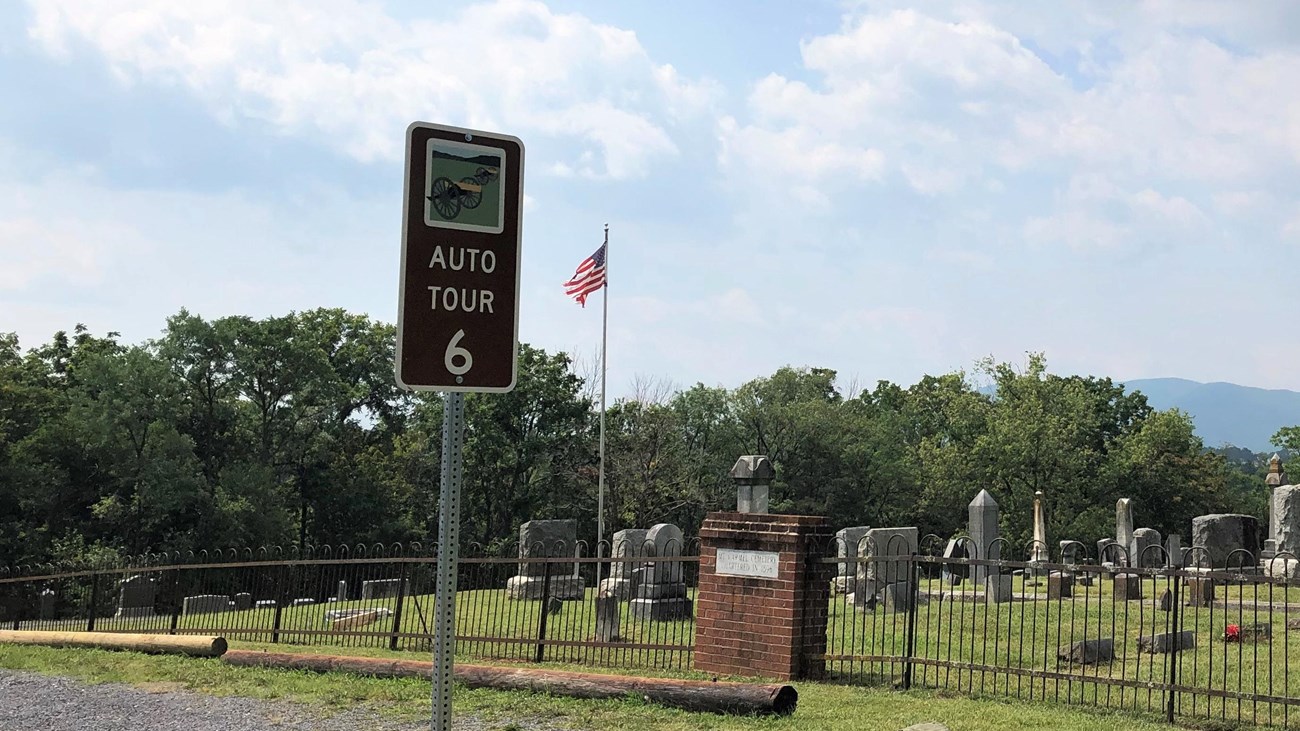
{"type": "Point", "coordinates": [753, 474]}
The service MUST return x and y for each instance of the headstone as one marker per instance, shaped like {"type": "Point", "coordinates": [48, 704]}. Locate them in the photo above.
{"type": "Point", "coordinates": [1039, 553]}
{"type": "Point", "coordinates": [1106, 553]}
{"type": "Point", "coordinates": [302, 602]}
{"type": "Point", "coordinates": [341, 592]}
{"type": "Point", "coordinates": [982, 514]}
{"type": "Point", "coordinates": [1060, 585]}
{"type": "Point", "coordinates": [898, 597]}
{"type": "Point", "coordinates": [1167, 642]}
{"type": "Point", "coordinates": [879, 568]}
{"type": "Point", "coordinates": [627, 543]}
{"type": "Point", "coordinates": [607, 619]}
{"type": "Point", "coordinates": [1275, 479]}
{"type": "Point", "coordinates": [847, 542]}
{"type": "Point", "coordinates": [264, 604]}
{"type": "Point", "coordinates": [382, 588]}
{"type": "Point", "coordinates": [1293, 624]}
{"type": "Point", "coordinates": [343, 619]}
{"type": "Point", "coordinates": [1200, 592]}
{"type": "Point", "coordinates": [1165, 601]}
{"type": "Point", "coordinates": [243, 600]}
{"type": "Point", "coordinates": [1221, 535]}
{"type": "Point", "coordinates": [1083, 578]}
{"type": "Point", "coordinates": [1146, 549]}
{"type": "Point", "coordinates": [554, 605]}
{"type": "Point", "coordinates": [48, 600]}
{"type": "Point", "coordinates": [1269, 550]}
{"type": "Point", "coordinates": [1124, 531]}
{"type": "Point", "coordinates": [1128, 587]}
{"type": "Point", "coordinates": [1286, 513]}
{"type": "Point", "coordinates": [997, 589]}
{"type": "Point", "coordinates": [1069, 551]}
{"type": "Point", "coordinates": [136, 597]}
{"type": "Point", "coordinates": [954, 573]}
{"type": "Point", "coordinates": [662, 593]}
{"type": "Point", "coordinates": [1174, 551]}
{"type": "Point", "coordinates": [546, 539]}
{"type": "Point", "coordinates": [1088, 652]}
{"type": "Point", "coordinates": [205, 604]}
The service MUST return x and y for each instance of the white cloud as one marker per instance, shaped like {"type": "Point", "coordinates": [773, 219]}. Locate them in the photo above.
{"type": "Point", "coordinates": [348, 74]}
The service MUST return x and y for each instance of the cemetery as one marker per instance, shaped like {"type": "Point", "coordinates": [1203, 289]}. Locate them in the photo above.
{"type": "Point", "coordinates": [1138, 621]}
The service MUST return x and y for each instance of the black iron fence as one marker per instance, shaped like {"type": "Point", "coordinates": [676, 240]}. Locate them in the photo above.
{"type": "Point", "coordinates": [1176, 641]}
{"type": "Point", "coordinates": [540, 608]}
{"type": "Point", "coordinates": [1164, 637]}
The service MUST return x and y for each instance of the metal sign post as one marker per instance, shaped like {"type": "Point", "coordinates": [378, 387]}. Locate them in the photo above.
{"type": "Point", "coordinates": [444, 647]}
{"type": "Point", "coordinates": [457, 314]}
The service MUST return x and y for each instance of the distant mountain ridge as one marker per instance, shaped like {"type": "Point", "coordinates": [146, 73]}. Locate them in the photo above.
{"type": "Point", "coordinates": [1225, 413]}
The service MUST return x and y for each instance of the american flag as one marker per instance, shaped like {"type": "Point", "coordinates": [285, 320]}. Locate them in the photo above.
{"type": "Point", "coordinates": [589, 277]}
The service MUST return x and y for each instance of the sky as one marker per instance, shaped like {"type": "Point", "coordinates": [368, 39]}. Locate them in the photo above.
{"type": "Point", "coordinates": [885, 189]}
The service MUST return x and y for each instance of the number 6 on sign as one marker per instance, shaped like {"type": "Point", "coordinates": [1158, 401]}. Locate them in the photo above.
{"type": "Point", "coordinates": [454, 351]}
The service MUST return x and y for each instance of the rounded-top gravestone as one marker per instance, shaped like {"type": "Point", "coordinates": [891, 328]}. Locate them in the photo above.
{"type": "Point", "coordinates": [667, 540]}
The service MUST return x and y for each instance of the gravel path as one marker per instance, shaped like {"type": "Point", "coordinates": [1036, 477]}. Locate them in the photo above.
{"type": "Point", "coordinates": [32, 701]}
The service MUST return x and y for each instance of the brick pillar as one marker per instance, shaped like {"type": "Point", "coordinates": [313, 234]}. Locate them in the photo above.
{"type": "Point", "coordinates": [765, 613]}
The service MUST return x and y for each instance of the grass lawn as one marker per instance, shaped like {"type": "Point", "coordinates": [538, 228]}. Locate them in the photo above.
{"type": "Point", "coordinates": [820, 706]}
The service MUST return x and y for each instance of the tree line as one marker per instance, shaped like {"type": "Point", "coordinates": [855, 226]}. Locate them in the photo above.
{"type": "Point", "coordinates": [288, 430]}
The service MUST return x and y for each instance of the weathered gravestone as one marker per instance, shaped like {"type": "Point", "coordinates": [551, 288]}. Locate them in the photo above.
{"type": "Point", "coordinates": [1286, 514]}
{"type": "Point", "coordinates": [607, 618]}
{"type": "Point", "coordinates": [1088, 652]}
{"type": "Point", "coordinates": [302, 602]}
{"type": "Point", "coordinates": [1167, 642]}
{"type": "Point", "coordinates": [1275, 479]}
{"type": "Point", "coordinates": [1060, 585]}
{"type": "Point", "coordinates": [1128, 587]}
{"type": "Point", "coordinates": [982, 516]}
{"type": "Point", "coordinates": [48, 601]}
{"type": "Point", "coordinates": [1107, 553]}
{"type": "Point", "coordinates": [546, 539]}
{"type": "Point", "coordinates": [1224, 537]}
{"type": "Point", "coordinates": [1147, 549]}
{"type": "Point", "coordinates": [1124, 531]}
{"type": "Point", "coordinates": [628, 543]}
{"type": "Point", "coordinates": [383, 588]}
{"type": "Point", "coordinates": [136, 597]}
{"type": "Point", "coordinates": [341, 591]}
{"type": "Point", "coordinates": [954, 573]}
{"type": "Point", "coordinates": [1199, 591]}
{"type": "Point", "coordinates": [661, 594]}
{"type": "Point", "coordinates": [886, 560]}
{"type": "Point", "coordinates": [1174, 551]}
{"type": "Point", "coordinates": [847, 543]}
{"type": "Point", "coordinates": [205, 604]}
{"type": "Point", "coordinates": [243, 601]}
{"type": "Point", "coordinates": [1038, 553]}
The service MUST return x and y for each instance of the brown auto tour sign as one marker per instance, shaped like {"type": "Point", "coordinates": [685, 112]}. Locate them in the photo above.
{"type": "Point", "coordinates": [458, 307]}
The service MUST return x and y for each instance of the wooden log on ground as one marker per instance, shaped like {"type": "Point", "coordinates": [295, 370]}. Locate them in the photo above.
{"type": "Point", "coordinates": [194, 645]}
{"type": "Point", "coordinates": [690, 695]}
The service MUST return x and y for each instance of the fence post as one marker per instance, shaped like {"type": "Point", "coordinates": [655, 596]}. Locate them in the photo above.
{"type": "Point", "coordinates": [397, 613]}
{"type": "Point", "coordinates": [909, 641]}
{"type": "Point", "coordinates": [179, 601]}
{"type": "Point", "coordinates": [94, 599]}
{"type": "Point", "coordinates": [279, 603]}
{"type": "Point", "coordinates": [546, 605]}
{"type": "Point", "coordinates": [1171, 676]}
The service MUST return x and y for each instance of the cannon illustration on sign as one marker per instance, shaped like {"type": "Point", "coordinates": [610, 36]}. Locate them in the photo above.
{"type": "Point", "coordinates": [449, 197]}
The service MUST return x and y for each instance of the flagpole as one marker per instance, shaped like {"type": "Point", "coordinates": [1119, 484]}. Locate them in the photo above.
{"type": "Point", "coordinates": [604, 341]}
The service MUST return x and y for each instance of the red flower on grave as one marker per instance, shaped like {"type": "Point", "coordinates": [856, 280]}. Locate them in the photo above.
{"type": "Point", "coordinates": [1232, 634]}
